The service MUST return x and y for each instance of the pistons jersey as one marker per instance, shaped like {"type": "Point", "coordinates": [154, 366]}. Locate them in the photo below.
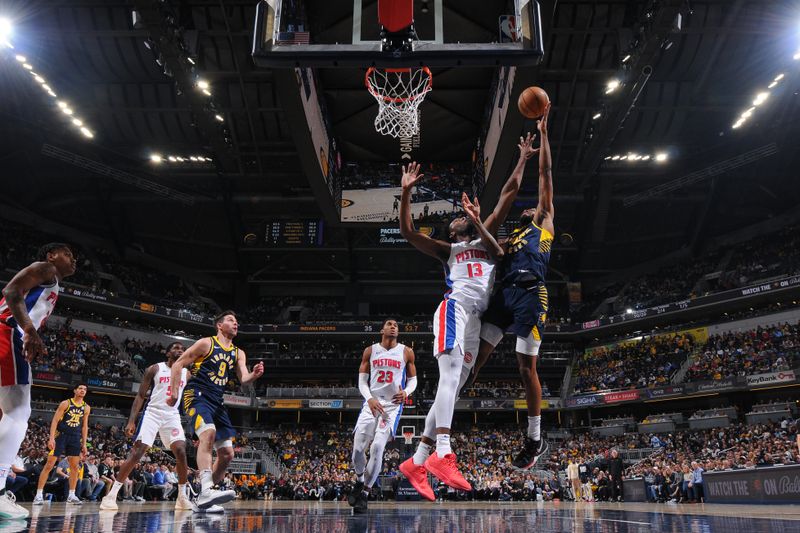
{"type": "Point", "coordinates": [387, 371]}
{"type": "Point", "coordinates": [162, 388]}
{"type": "Point", "coordinates": [469, 272]}
{"type": "Point", "coordinates": [39, 303]}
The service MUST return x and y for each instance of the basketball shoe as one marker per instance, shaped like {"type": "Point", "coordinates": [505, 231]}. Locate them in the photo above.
{"type": "Point", "coordinates": [530, 453]}
{"type": "Point", "coordinates": [446, 469]}
{"type": "Point", "coordinates": [418, 477]}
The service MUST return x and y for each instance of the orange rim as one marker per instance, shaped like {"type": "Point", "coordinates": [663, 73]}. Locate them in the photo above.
{"type": "Point", "coordinates": [372, 91]}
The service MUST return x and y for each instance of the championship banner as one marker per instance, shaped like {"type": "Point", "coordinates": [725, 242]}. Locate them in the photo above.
{"type": "Point", "coordinates": [770, 378]}
{"type": "Point", "coordinates": [325, 404]}
{"type": "Point", "coordinates": [778, 484]}
{"type": "Point", "coordinates": [234, 399]}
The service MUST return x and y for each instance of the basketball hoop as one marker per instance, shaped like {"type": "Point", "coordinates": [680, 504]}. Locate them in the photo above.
{"type": "Point", "coordinates": [408, 436]}
{"type": "Point", "coordinates": [399, 92]}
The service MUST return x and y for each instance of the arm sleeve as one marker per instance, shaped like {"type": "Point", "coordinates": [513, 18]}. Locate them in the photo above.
{"type": "Point", "coordinates": [363, 386]}
{"type": "Point", "coordinates": [411, 385]}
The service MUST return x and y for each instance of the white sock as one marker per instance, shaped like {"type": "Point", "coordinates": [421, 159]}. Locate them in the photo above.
{"type": "Point", "coordinates": [40, 493]}
{"type": "Point", "coordinates": [422, 453]}
{"type": "Point", "coordinates": [114, 490]}
{"type": "Point", "coordinates": [71, 494]}
{"type": "Point", "coordinates": [443, 444]}
{"type": "Point", "coordinates": [181, 489]}
{"type": "Point", "coordinates": [206, 481]}
{"type": "Point", "coordinates": [360, 477]}
{"type": "Point", "coordinates": [3, 473]}
{"type": "Point", "coordinates": [534, 424]}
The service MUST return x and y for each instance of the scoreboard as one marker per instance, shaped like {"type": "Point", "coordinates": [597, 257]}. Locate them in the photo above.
{"type": "Point", "coordinates": [294, 233]}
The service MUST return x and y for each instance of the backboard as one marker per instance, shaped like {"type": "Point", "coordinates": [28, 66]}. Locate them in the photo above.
{"type": "Point", "coordinates": [347, 33]}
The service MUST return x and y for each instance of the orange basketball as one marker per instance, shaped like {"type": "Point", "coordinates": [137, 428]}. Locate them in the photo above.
{"type": "Point", "coordinates": [532, 102]}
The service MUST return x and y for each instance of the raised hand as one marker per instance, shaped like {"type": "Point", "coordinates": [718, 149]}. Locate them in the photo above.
{"type": "Point", "coordinates": [541, 124]}
{"type": "Point", "coordinates": [472, 209]}
{"type": "Point", "coordinates": [411, 175]}
{"type": "Point", "coordinates": [526, 149]}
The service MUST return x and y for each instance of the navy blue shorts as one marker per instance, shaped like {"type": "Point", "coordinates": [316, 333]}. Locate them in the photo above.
{"type": "Point", "coordinates": [522, 311]}
{"type": "Point", "coordinates": [67, 444]}
{"type": "Point", "coordinates": [203, 410]}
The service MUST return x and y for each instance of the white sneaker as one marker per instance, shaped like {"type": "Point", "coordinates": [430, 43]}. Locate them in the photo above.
{"type": "Point", "coordinates": [109, 504]}
{"type": "Point", "coordinates": [183, 503]}
{"type": "Point", "coordinates": [38, 500]}
{"type": "Point", "coordinates": [139, 499]}
{"type": "Point", "coordinates": [9, 508]}
{"type": "Point", "coordinates": [74, 500]}
{"type": "Point", "coordinates": [210, 497]}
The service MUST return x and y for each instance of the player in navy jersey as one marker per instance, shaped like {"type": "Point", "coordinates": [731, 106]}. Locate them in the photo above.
{"type": "Point", "coordinates": [210, 362]}
{"type": "Point", "coordinates": [69, 430]}
{"type": "Point", "coordinates": [27, 301]}
{"type": "Point", "coordinates": [519, 302]}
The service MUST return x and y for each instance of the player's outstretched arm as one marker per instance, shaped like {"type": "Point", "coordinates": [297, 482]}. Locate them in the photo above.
{"type": "Point", "coordinates": [545, 208]}
{"type": "Point", "coordinates": [411, 374]}
{"type": "Point", "coordinates": [39, 273]}
{"type": "Point", "coordinates": [141, 397]}
{"type": "Point", "coordinates": [199, 348]}
{"type": "Point", "coordinates": [510, 190]}
{"type": "Point", "coordinates": [59, 414]}
{"type": "Point", "coordinates": [433, 247]}
{"type": "Point", "coordinates": [473, 210]}
{"type": "Point", "coordinates": [245, 376]}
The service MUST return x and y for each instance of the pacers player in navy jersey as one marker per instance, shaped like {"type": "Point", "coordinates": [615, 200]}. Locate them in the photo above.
{"type": "Point", "coordinates": [210, 362]}
{"type": "Point", "coordinates": [69, 430]}
{"type": "Point", "coordinates": [519, 302]}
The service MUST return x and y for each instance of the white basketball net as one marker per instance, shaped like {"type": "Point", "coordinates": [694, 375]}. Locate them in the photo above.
{"type": "Point", "coordinates": [399, 92]}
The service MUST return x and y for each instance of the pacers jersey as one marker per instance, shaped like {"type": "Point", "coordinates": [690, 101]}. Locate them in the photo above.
{"type": "Point", "coordinates": [470, 274]}
{"type": "Point", "coordinates": [162, 389]}
{"type": "Point", "coordinates": [39, 303]}
{"type": "Point", "coordinates": [71, 422]}
{"type": "Point", "coordinates": [210, 374]}
{"type": "Point", "coordinates": [387, 371]}
{"type": "Point", "coordinates": [528, 255]}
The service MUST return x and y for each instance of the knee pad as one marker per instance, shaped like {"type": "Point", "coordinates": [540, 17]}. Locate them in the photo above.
{"type": "Point", "coordinates": [491, 333]}
{"type": "Point", "coordinates": [528, 345]}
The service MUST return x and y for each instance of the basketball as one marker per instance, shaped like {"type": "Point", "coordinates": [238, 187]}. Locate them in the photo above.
{"type": "Point", "coordinates": [532, 102]}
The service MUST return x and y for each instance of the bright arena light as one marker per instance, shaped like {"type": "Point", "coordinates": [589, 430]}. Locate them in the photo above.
{"type": "Point", "coordinates": [87, 132]}
{"type": "Point", "coordinates": [156, 158]}
{"type": "Point", "coordinates": [219, 118]}
{"type": "Point", "coordinates": [596, 116]}
{"type": "Point", "coordinates": [612, 86]}
{"type": "Point", "coordinates": [206, 92]}
{"type": "Point", "coordinates": [202, 84]}
{"type": "Point", "coordinates": [78, 122]}
{"type": "Point", "coordinates": [21, 59]}
{"type": "Point", "coordinates": [761, 98]}
{"type": "Point", "coordinates": [661, 157]}
{"type": "Point", "coordinates": [6, 30]}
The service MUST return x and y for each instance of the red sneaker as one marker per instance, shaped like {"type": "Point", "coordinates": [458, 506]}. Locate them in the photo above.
{"type": "Point", "coordinates": [418, 477]}
{"type": "Point", "coordinates": [446, 469]}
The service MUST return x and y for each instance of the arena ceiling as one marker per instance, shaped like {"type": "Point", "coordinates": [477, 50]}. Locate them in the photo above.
{"type": "Point", "coordinates": [703, 76]}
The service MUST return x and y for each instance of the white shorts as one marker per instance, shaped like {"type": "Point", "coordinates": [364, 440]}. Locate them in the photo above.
{"type": "Point", "coordinates": [385, 426]}
{"type": "Point", "coordinates": [453, 325]}
{"type": "Point", "coordinates": [166, 424]}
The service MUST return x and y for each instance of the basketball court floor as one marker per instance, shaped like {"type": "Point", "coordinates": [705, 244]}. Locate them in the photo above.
{"type": "Point", "coordinates": [486, 517]}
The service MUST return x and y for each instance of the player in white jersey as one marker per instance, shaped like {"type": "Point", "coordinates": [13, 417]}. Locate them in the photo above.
{"type": "Point", "coordinates": [158, 418]}
{"type": "Point", "coordinates": [27, 301]}
{"type": "Point", "coordinates": [386, 377]}
{"type": "Point", "coordinates": [469, 267]}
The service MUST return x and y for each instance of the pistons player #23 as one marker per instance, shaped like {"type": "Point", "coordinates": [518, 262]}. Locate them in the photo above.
{"type": "Point", "coordinates": [39, 303]}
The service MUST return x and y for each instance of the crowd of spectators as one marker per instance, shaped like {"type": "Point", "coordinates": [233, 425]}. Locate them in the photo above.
{"type": "Point", "coordinates": [764, 349]}
{"type": "Point", "coordinates": [649, 362]}
{"type": "Point", "coordinates": [81, 352]}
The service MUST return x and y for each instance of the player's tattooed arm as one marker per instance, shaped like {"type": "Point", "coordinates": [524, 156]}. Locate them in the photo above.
{"type": "Point", "coordinates": [511, 188]}
{"type": "Point", "coordinates": [39, 273]}
{"type": "Point", "coordinates": [473, 210]}
{"type": "Point", "coordinates": [59, 414]}
{"type": "Point", "coordinates": [141, 397]}
{"type": "Point", "coordinates": [246, 376]}
{"type": "Point", "coordinates": [85, 431]}
{"type": "Point", "coordinates": [433, 247]}
{"type": "Point", "coordinates": [199, 348]}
